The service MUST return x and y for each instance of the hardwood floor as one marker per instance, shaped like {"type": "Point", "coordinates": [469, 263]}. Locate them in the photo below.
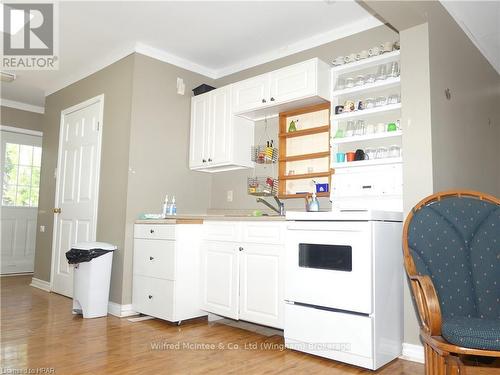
{"type": "Point", "coordinates": [39, 331]}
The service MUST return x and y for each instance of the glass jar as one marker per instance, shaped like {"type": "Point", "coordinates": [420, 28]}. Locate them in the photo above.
{"type": "Point", "coordinates": [381, 101]}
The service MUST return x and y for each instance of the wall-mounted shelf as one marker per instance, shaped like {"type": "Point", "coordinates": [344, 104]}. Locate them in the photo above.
{"type": "Point", "coordinates": [316, 155]}
{"type": "Point", "coordinates": [310, 131]}
{"type": "Point", "coordinates": [359, 138]}
{"type": "Point", "coordinates": [368, 112]}
{"type": "Point", "coordinates": [378, 85]}
{"type": "Point", "coordinates": [367, 63]}
{"type": "Point", "coordinates": [306, 176]}
{"type": "Point", "coordinates": [367, 163]}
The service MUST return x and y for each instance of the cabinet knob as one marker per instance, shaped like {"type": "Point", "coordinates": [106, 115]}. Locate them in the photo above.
{"type": "Point", "coordinates": [150, 296]}
{"type": "Point", "coordinates": [204, 160]}
{"type": "Point", "coordinates": [264, 100]}
{"type": "Point", "coordinates": [209, 160]}
{"type": "Point", "coordinates": [240, 248]}
{"type": "Point", "coordinates": [151, 231]}
{"type": "Point", "coordinates": [151, 258]}
{"type": "Point", "coordinates": [272, 99]}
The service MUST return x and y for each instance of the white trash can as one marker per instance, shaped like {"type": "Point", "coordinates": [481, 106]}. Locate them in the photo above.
{"type": "Point", "coordinates": [92, 277]}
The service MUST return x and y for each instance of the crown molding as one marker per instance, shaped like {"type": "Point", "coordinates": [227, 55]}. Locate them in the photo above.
{"type": "Point", "coordinates": [302, 45]}
{"type": "Point", "coordinates": [22, 106]}
{"type": "Point", "coordinates": [169, 58]}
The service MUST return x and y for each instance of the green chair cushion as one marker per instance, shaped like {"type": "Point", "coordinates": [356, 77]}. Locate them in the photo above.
{"type": "Point", "coordinates": [474, 333]}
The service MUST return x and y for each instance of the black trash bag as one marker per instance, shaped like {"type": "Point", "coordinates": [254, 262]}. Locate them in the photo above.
{"type": "Point", "coordinates": [75, 256]}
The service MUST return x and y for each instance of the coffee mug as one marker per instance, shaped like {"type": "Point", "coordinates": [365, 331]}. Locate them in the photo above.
{"type": "Point", "coordinates": [339, 60]}
{"type": "Point", "coordinates": [363, 54]}
{"type": "Point", "coordinates": [391, 127]}
{"type": "Point", "coordinates": [339, 109]}
{"type": "Point", "coordinates": [340, 157]}
{"type": "Point", "coordinates": [374, 51]}
{"type": "Point", "coordinates": [386, 47]}
{"type": "Point", "coordinates": [350, 156]}
{"type": "Point", "coordinates": [359, 155]}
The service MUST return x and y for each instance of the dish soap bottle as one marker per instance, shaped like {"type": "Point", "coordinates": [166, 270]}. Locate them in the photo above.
{"type": "Point", "coordinates": [173, 208]}
{"type": "Point", "coordinates": [312, 204]}
{"type": "Point", "coordinates": [165, 207]}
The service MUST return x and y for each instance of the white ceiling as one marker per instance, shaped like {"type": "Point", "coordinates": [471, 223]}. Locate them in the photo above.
{"type": "Point", "coordinates": [213, 38]}
{"type": "Point", "coordinates": [480, 20]}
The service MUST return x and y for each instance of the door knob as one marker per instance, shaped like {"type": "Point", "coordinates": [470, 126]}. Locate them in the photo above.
{"type": "Point", "coordinates": [272, 99]}
{"type": "Point", "coordinates": [150, 296]}
{"type": "Point", "coordinates": [263, 100]}
{"type": "Point", "coordinates": [240, 248]}
{"type": "Point", "coordinates": [151, 231]}
{"type": "Point", "coordinates": [209, 160]}
{"type": "Point", "coordinates": [57, 210]}
{"type": "Point", "coordinates": [204, 161]}
{"type": "Point", "coordinates": [151, 258]}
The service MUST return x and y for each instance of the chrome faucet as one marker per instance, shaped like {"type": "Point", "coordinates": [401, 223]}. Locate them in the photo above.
{"type": "Point", "coordinates": [281, 206]}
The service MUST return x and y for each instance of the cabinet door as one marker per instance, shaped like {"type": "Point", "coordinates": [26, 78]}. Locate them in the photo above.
{"type": "Point", "coordinates": [220, 278]}
{"type": "Point", "coordinates": [220, 134]}
{"type": "Point", "coordinates": [199, 131]}
{"type": "Point", "coordinates": [261, 289]}
{"type": "Point", "coordinates": [250, 94]}
{"type": "Point", "coordinates": [294, 82]}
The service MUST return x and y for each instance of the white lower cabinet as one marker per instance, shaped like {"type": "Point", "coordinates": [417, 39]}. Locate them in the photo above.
{"type": "Point", "coordinates": [166, 271]}
{"type": "Point", "coordinates": [244, 280]}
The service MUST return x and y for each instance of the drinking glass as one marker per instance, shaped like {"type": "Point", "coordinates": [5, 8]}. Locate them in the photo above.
{"type": "Point", "coordinates": [360, 127]}
{"type": "Point", "coordinates": [381, 73]}
{"type": "Point", "coordinates": [349, 131]}
{"type": "Point", "coordinates": [369, 103]}
{"type": "Point", "coordinates": [370, 78]}
{"type": "Point", "coordinates": [340, 84]}
{"type": "Point", "coordinates": [393, 99]}
{"type": "Point", "coordinates": [393, 69]}
{"type": "Point", "coordinates": [370, 153]}
{"type": "Point", "coordinates": [394, 151]}
{"type": "Point", "coordinates": [382, 153]}
{"type": "Point", "coordinates": [349, 82]}
{"type": "Point", "coordinates": [360, 80]}
{"type": "Point", "coordinates": [381, 101]}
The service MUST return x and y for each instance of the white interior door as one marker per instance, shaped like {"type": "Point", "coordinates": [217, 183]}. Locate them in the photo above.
{"type": "Point", "coordinates": [77, 186]}
{"type": "Point", "coordinates": [20, 165]}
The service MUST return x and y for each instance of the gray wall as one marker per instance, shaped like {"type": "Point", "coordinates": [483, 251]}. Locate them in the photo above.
{"type": "Point", "coordinates": [20, 119]}
{"type": "Point", "coordinates": [465, 129]}
{"type": "Point", "coordinates": [236, 180]}
{"type": "Point", "coordinates": [115, 82]}
{"type": "Point", "coordinates": [417, 142]}
{"type": "Point", "coordinates": [159, 149]}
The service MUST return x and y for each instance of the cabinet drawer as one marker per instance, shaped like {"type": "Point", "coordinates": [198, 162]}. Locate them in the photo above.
{"type": "Point", "coordinates": [271, 233]}
{"type": "Point", "coordinates": [155, 231]}
{"type": "Point", "coordinates": [222, 231]}
{"type": "Point", "coordinates": [153, 297]}
{"type": "Point", "coordinates": [352, 333]}
{"type": "Point", "coordinates": [154, 258]}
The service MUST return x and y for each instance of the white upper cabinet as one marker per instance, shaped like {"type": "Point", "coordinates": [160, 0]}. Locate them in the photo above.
{"type": "Point", "coordinates": [199, 131]}
{"type": "Point", "coordinates": [305, 83]}
{"type": "Point", "coordinates": [251, 93]}
{"type": "Point", "coordinates": [293, 82]}
{"type": "Point", "coordinates": [219, 140]}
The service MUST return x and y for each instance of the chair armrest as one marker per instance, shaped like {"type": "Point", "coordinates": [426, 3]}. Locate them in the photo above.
{"type": "Point", "coordinates": [427, 304]}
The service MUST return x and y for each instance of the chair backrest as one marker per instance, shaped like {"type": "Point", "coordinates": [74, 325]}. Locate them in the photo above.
{"type": "Point", "coordinates": [454, 238]}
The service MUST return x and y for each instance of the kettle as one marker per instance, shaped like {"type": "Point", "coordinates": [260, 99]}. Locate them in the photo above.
{"type": "Point", "coordinates": [312, 203]}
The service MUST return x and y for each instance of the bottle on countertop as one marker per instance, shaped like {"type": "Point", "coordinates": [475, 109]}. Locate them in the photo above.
{"type": "Point", "coordinates": [172, 208]}
{"type": "Point", "coordinates": [165, 207]}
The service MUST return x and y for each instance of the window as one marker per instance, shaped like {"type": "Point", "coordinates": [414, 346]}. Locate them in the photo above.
{"type": "Point", "coordinates": [21, 176]}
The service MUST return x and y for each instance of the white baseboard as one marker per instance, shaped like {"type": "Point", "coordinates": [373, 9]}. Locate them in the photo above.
{"type": "Point", "coordinates": [121, 311]}
{"type": "Point", "coordinates": [412, 352]}
{"type": "Point", "coordinates": [40, 284]}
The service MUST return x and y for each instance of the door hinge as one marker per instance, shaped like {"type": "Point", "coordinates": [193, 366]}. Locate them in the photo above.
{"type": "Point", "coordinates": [98, 125]}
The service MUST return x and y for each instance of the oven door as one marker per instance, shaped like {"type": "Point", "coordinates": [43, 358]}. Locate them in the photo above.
{"type": "Point", "coordinates": [329, 264]}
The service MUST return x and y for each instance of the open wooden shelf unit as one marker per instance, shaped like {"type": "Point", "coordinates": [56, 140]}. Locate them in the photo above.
{"type": "Point", "coordinates": [308, 154]}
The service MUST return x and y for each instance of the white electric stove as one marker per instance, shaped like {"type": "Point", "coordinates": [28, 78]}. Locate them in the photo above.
{"type": "Point", "coordinates": [344, 285]}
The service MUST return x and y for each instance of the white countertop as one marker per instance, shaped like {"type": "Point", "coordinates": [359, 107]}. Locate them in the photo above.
{"type": "Point", "coordinates": [194, 218]}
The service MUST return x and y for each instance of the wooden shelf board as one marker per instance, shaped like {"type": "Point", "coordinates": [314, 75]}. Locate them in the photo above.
{"type": "Point", "coordinates": [290, 196]}
{"type": "Point", "coordinates": [306, 176]}
{"type": "Point", "coordinates": [301, 133]}
{"type": "Point", "coordinates": [315, 155]}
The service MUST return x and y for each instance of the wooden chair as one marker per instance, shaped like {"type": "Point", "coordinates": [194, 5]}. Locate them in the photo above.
{"type": "Point", "coordinates": [451, 245]}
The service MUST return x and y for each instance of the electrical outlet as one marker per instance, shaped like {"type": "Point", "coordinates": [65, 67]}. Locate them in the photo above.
{"type": "Point", "coordinates": [229, 196]}
{"type": "Point", "coordinates": [42, 228]}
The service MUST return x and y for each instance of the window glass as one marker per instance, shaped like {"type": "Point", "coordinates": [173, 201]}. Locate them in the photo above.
{"type": "Point", "coordinates": [21, 175]}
